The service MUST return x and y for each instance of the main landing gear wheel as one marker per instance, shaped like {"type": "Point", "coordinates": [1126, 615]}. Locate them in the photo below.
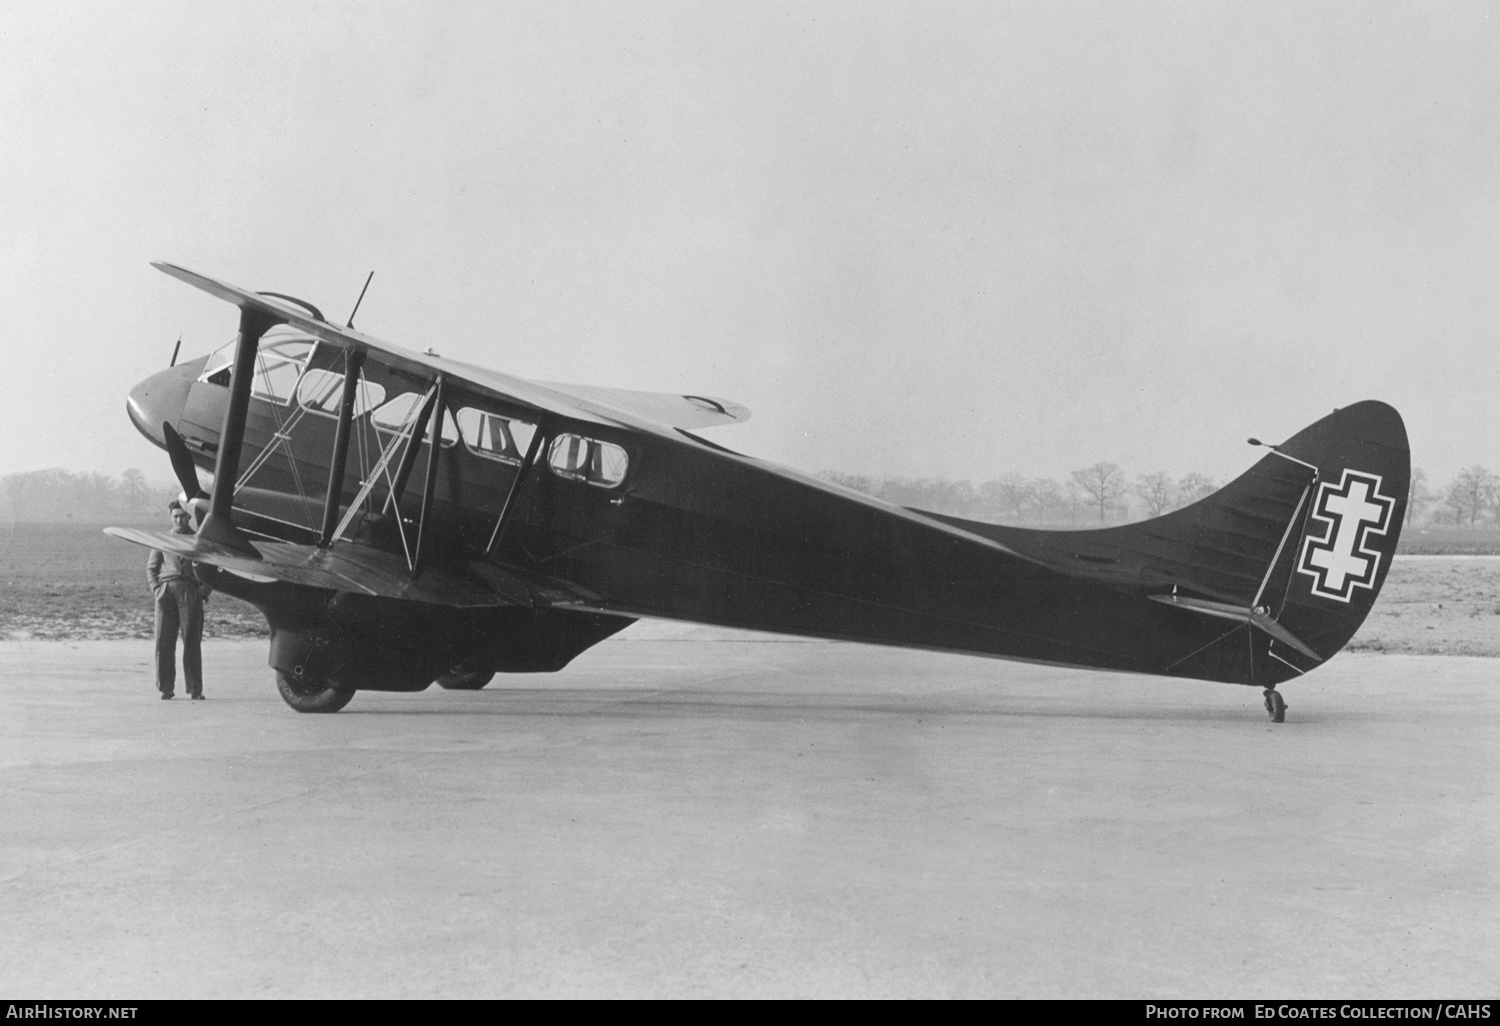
{"type": "Point", "coordinates": [1275, 705]}
{"type": "Point", "coordinates": [312, 696]}
{"type": "Point", "coordinates": [466, 681]}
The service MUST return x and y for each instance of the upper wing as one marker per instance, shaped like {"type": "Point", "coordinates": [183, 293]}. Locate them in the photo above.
{"type": "Point", "coordinates": [678, 411]}
{"type": "Point", "coordinates": [643, 411]}
{"type": "Point", "coordinates": [648, 412]}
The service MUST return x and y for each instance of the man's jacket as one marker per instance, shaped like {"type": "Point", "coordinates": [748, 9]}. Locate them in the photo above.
{"type": "Point", "coordinates": [164, 567]}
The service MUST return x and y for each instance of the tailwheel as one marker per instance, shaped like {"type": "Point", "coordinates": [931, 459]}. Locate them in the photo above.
{"type": "Point", "coordinates": [1275, 705]}
{"type": "Point", "coordinates": [460, 681]}
{"type": "Point", "coordinates": [312, 696]}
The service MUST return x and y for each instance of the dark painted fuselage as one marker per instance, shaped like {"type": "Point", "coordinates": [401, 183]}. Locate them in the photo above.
{"type": "Point", "coordinates": [694, 532]}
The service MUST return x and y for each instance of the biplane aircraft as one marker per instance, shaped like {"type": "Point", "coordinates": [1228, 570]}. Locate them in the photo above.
{"type": "Point", "coordinates": [403, 519]}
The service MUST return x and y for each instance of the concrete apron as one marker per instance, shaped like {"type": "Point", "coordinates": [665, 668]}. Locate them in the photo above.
{"type": "Point", "coordinates": [694, 813]}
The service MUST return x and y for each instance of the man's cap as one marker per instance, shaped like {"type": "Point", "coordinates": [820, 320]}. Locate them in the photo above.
{"type": "Point", "coordinates": [176, 506]}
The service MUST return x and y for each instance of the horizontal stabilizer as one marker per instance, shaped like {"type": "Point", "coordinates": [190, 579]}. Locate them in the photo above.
{"type": "Point", "coordinates": [1242, 614]}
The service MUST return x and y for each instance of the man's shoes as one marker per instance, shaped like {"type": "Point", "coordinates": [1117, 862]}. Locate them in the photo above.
{"type": "Point", "coordinates": [166, 696]}
{"type": "Point", "coordinates": [198, 697]}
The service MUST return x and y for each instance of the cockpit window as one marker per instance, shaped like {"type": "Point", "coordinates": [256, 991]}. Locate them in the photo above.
{"type": "Point", "coordinates": [394, 414]}
{"type": "Point", "coordinates": [321, 391]}
{"type": "Point", "coordinates": [217, 370]}
{"type": "Point", "coordinates": [282, 354]}
{"type": "Point", "coordinates": [493, 436]}
{"type": "Point", "coordinates": [588, 459]}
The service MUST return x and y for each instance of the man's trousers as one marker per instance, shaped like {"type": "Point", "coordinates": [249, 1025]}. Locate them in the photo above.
{"type": "Point", "coordinates": [179, 609]}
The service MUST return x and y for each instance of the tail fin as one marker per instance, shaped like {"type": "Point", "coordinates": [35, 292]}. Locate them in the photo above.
{"type": "Point", "coordinates": [1324, 585]}
{"type": "Point", "coordinates": [1272, 574]}
{"type": "Point", "coordinates": [1296, 548]}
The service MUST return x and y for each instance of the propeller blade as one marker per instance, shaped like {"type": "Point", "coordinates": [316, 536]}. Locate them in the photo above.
{"type": "Point", "coordinates": [182, 463]}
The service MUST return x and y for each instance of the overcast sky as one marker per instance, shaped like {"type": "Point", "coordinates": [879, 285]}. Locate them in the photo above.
{"type": "Point", "coordinates": [915, 239]}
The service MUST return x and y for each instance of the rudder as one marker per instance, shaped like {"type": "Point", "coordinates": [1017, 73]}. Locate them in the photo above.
{"type": "Point", "coordinates": [1323, 588]}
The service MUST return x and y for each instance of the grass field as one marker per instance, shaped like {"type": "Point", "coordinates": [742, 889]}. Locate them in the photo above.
{"type": "Point", "coordinates": [69, 581]}
{"type": "Point", "coordinates": [1450, 541]}
{"type": "Point", "coordinates": [72, 581]}
{"type": "Point", "coordinates": [1436, 605]}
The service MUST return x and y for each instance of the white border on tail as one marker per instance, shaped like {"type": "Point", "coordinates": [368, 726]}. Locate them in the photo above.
{"type": "Point", "coordinates": [1355, 512]}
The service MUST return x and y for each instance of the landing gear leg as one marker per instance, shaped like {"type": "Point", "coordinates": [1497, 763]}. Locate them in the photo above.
{"type": "Point", "coordinates": [1275, 705]}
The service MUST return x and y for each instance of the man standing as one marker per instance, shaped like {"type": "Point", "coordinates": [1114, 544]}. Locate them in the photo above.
{"type": "Point", "coordinates": [179, 608]}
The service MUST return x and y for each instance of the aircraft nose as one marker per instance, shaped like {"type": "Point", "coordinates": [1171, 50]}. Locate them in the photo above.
{"type": "Point", "coordinates": [159, 400]}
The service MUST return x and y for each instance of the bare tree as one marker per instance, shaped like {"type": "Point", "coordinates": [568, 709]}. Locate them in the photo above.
{"type": "Point", "coordinates": [936, 495]}
{"type": "Point", "coordinates": [1004, 498]}
{"type": "Point", "coordinates": [133, 490]}
{"type": "Point", "coordinates": [856, 482]}
{"type": "Point", "coordinates": [1420, 498]}
{"type": "Point", "coordinates": [1046, 501]}
{"type": "Point", "coordinates": [1104, 484]}
{"type": "Point", "coordinates": [1474, 491]}
{"type": "Point", "coordinates": [1073, 494]}
{"type": "Point", "coordinates": [955, 497]}
{"type": "Point", "coordinates": [1157, 491]}
{"type": "Point", "coordinates": [1193, 487]}
{"type": "Point", "coordinates": [54, 494]}
{"type": "Point", "coordinates": [902, 491]}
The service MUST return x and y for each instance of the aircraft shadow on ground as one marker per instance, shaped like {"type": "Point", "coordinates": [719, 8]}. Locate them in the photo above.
{"type": "Point", "coordinates": [649, 705]}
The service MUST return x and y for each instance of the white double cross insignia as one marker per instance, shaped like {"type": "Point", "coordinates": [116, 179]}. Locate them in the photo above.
{"type": "Point", "coordinates": [1355, 513]}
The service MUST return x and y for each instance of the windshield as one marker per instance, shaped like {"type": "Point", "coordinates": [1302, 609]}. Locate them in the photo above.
{"type": "Point", "coordinates": [282, 355]}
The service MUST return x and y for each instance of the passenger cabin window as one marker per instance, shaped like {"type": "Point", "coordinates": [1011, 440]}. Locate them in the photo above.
{"type": "Point", "coordinates": [493, 436]}
{"type": "Point", "coordinates": [588, 459]}
{"type": "Point", "coordinates": [321, 391]}
{"type": "Point", "coordinates": [395, 413]}
{"type": "Point", "coordinates": [277, 368]}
